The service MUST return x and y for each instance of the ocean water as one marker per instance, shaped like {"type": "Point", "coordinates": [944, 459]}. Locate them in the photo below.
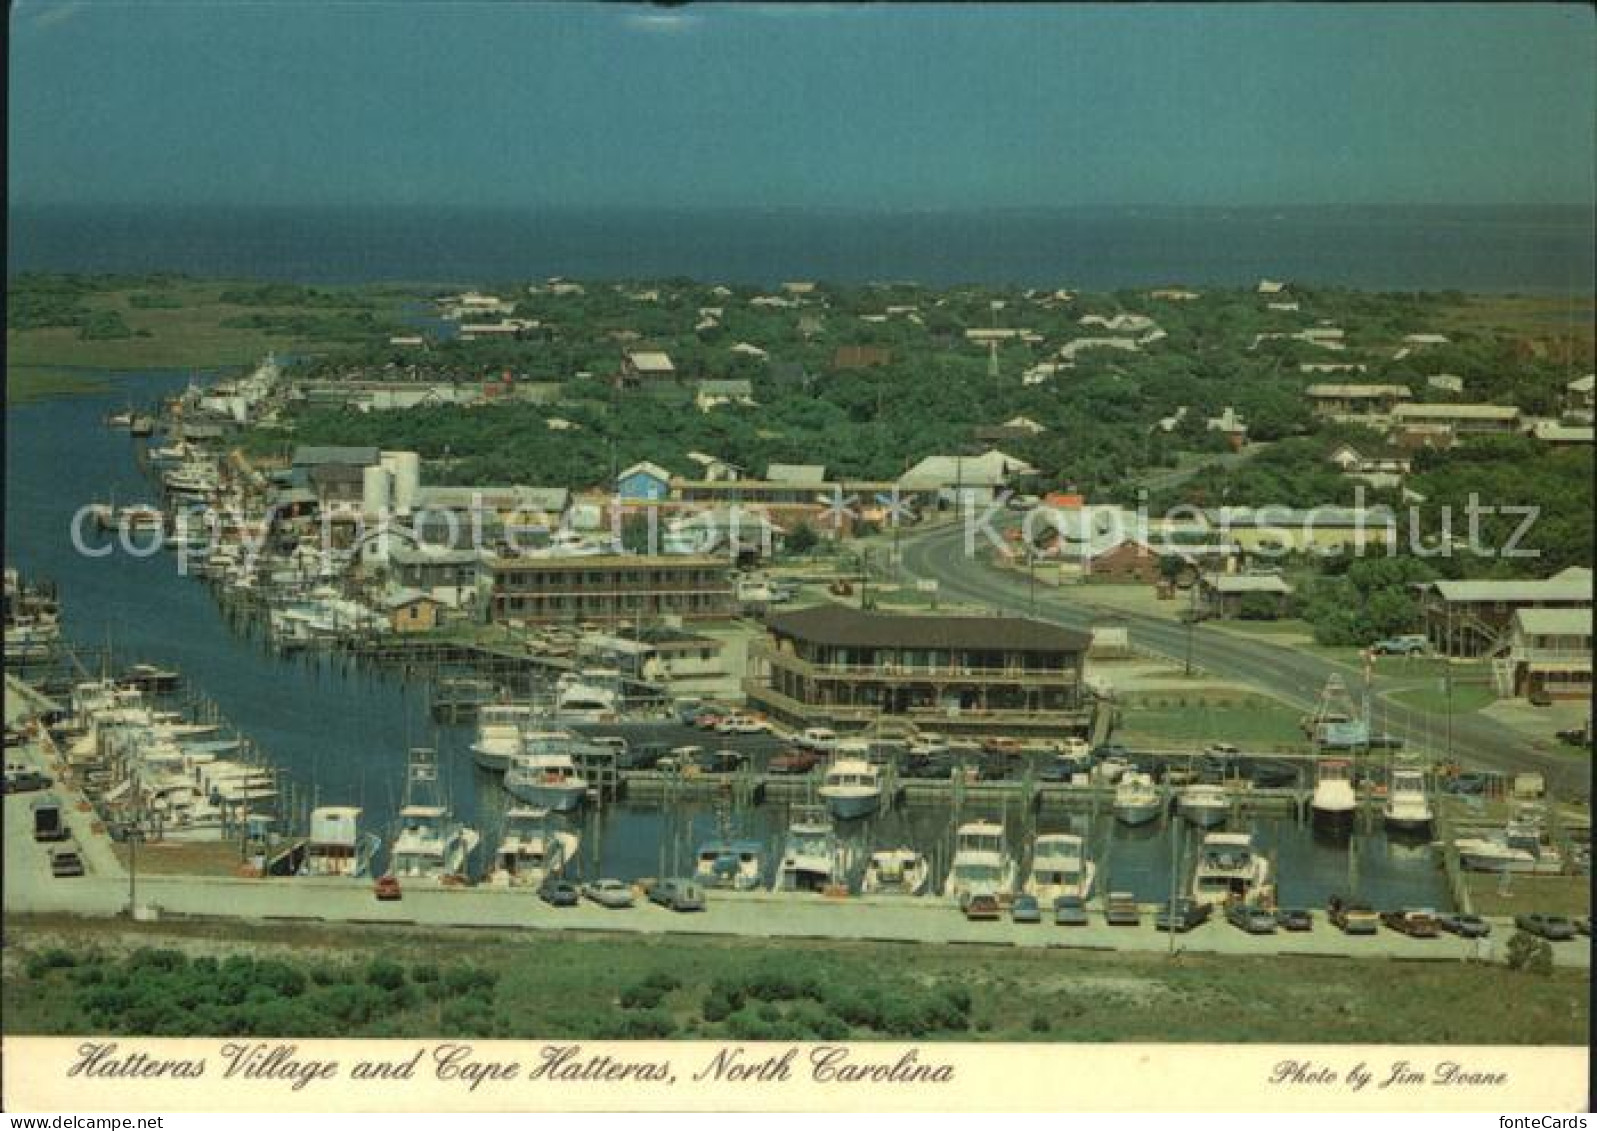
{"type": "Point", "coordinates": [1478, 249]}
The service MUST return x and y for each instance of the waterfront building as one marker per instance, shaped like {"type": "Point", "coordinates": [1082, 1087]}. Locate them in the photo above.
{"type": "Point", "coordinates": [599, 587]}
{"type": "Point", "coordinates": [1475, 618]}
{"type": "Point", "coordinates": [831, 665]}
{"type": "Point", "coordinates": [1549, 653]}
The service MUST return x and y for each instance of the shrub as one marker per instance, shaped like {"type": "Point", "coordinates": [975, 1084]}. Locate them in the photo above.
{"type": "Point", "coordinates": [1528, 953]}
{"type": "Point", "coordinates": [385, 975]}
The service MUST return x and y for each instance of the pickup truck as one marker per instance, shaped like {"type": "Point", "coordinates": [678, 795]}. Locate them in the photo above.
{"type": "Point", "coordinates": [1352, 918]}
{"type": "Point", "coordinates": [1400, 646]}
{"type": "Point", "coordinates": [1416, 924]}
{"type": "Point", "coordinates": [1122, 910]}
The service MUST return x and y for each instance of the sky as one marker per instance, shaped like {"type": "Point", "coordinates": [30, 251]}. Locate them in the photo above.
{"type": "Point", "coordinates": [826, 106]}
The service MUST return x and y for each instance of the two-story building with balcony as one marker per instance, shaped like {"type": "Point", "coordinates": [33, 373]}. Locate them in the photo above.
{"type": "Point", "coordinates": [1549, 653]}
{"type": "Point", "coordinates": [835, 666]}
{"type": "Point", "coordinates": [1475, 618]}
{"type": "Point", "coordinates": [602, 587]}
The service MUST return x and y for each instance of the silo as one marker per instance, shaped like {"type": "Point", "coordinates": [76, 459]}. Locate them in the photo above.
{"type": "Point", "coordinates": [375, 497]}
{"type": "Point", "coordinates": [406, 467]}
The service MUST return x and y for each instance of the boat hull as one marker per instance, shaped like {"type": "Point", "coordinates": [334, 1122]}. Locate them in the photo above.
{"type": "Point", "coordinates": [851, 806]}
{"type": "Point", "coordinates": [491, 758]}
{"type": "Point", "coordinates": [1332, 822]}
{"type": "Point", "coordinates": [1136, 813]}
{"type": "Point", "coordinates": [1204, 816]}
{"type": "Point", "coordinates": [555, 798]}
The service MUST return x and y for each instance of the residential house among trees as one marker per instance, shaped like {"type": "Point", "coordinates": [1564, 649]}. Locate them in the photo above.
{"type": "Point", "coordinates": [1474, 618]}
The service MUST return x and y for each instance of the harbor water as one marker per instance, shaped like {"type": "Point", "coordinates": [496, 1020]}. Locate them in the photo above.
{"type": "Point", "coordinates": [341, 730]}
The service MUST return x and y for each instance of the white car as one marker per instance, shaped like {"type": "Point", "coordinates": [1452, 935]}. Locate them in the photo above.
{"type": "Point", "coordinates": [609, 893]}
{"type": "Point", "coordinates": [819, 739]}
{"type": "Point", "coordinates": [1074, 747]}
{"type": "Point", "coordinates": [927, 743]}
{"type": "Point", "coordinates": [742, 724]}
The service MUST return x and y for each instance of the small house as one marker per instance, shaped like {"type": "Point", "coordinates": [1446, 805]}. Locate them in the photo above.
{"type": "Point", "coordinates": [410, 610]}
{"type": "Point", "coordinates": [644, 482]}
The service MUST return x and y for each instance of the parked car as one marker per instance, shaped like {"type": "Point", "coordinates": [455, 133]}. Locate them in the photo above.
{"type": "Point", "coordinates": [1074, 747]}
{"type": "Point", "coordinates": [26, 781]}
{"type": "Point", "coordinates": [707, 719]}
{"type": "Point", "coordinates": [927, 743]}
{"type": "Point", "coordinates": [742, 724]}
{"type": "Point", "coordinates": [559, 893]}
{"type": "Point", "coordinates": [1182, 917]}
{"type": "Point", "coordinates": [794, 762]}
{"type": "Point", "coordinates": [1070, 911]}
{"type": "Point", "coordinates": [65, 861]}
{"type": "Point", "coordinates": [1294, 919]}
{"type": "Point", "coordinates": [819, 739]}
{"type": "Point", "coordinates": [1419, 924]}
{"type": "Point", "coordinates": [1554, 928]}
{"type": "Point", "coordinates": [1472, 784]}
{"type": "Point", "coordinates": [1061, 769]}
{"type": "Point", "coordinates": [980, 905]}
{"type": "Point", "coordinates": [720, 761]}
{"type": "Point", "coordinates": [1109, 750]}
{"type": "Point", "coordinates": [1272, 775]}
{"type": "Point", "coordinates": [1122, 910]}
{"type": "Point", "coordinates": [1400, 646]}
{"type": "Point", "coordinates": [1464, 926]}
{"type": "Point", "coordinates": [645, 756]}
{"type": "Point", "coordinates": [677, 895]}
{"type": "Point", "coordinates": [937, 767]}
{"type": "Point", "coordinates": [609, 893]}
{"type": "Point", "coordinates": [1352, 918]}
{"type": "Point", "coordinates": [386, 889]}
{"type": "Point", "coordinates": [1024, 909]}
{"type": "Point", "coordinates": [1252, 918]}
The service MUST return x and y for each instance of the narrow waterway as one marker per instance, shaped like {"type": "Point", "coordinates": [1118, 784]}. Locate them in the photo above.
{"type": "Point", "coordinates": [342, 731]}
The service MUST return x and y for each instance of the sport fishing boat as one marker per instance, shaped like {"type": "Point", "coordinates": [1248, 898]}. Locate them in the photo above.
{"type": "Point", "coordinates": [499, 730]}
{"type": "Point", "coordinates": [336, 846]}
{"type": "Point", "coordinates": [1059, 866]}
{"type": "Point", "coordinates": [813, 858]}
{"type": "Point", "coordinates": [1137, 799]}
{"type": "Point", "coordinates": [1204, 805]}
{"type": "Point", "coordinates": [430, 844]}
{"type": "Point", "coordinates": [1228, 867]}
{"type": "Point", "coordinates": [1334, 803]}
{"type": "Point", "coordinates": [588, 697]}
{"type": "Point", "coordinates": [1408, 804]}
{"type": "Point", "coordinates": [852, 788]}
{"type": "Point", "coordinates": [1520, 847]}
{"type": "Point", "coordinates": [735, 864]}
{"type": "Point", "coordinates": [982, 864]}
{"type": "Point", "coordinates": [532, 849]}
{"type": "Point", "coordinates": [896, 871]}
{"type": "Point", "coordinates": [547, 778]}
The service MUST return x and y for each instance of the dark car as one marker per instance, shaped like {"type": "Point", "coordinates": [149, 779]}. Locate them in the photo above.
{"type": "Point", "coordinates": [1070, 911]}
{"type": "Point", "coordinates": [386, 889]}
{"type": "Point", "coordinates": [1416, 924]}
{"type": "Point", "coordinates": [1294, 919]}
{"type": "Point", "coordinates": [1252, 918]}
{"type": "Point", "coordinates": [559, 893]}
{"type": "Point", "coordinates": [1555, 928]}
{"type": "Point", "coordinates": [937, 767]}
{"type": "Point", "coordinates": [1024, 909]}
{"type": "Point", "coordinates": [645, 756]}
{"type": "Point", "coordinates": [794, 762]}
{"type": "Point", "coordinates": [1576, 736]}
{"type": "Point", "coordinates": [65, 862]}
{"type": "Point", "coordinates": [1272, 775]}
{"type": "Point", "coordinates": [26, 781]}
{"type": "Point", "coordinates": [720, 761]}
{"type": "Point", "coordinates": [980, 906]}
{"type": "Point", "coordinates": [1464, 926]}
{"type": "Point", "coordinates": [1185, 915]}
{"type": "Point", "coordinates": [677, 895]}
{"type": "Point", "coordinates": [1471, 784]}
{"type": "Point", "coordinates": [993, 769]}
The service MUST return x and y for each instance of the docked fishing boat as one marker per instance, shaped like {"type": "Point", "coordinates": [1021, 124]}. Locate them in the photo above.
{"type": "Point", "coordinates": [499, 731]}
{"type": "Point", "coordinates": [546, 779]}
{"type": "Point", "coordinates": [1137, 799]}
{"type": "Point", "coordinates": [1203, 804]}
{"type": "Point", "coordinates": [852, 788]}
{"type": "Point", "coordinates": [1408, 803]}
{"type": "Point", "coordinates": [1334, 803]}
{"type": "Point", "coordinates": [1228, 867]}
{"type": "Point", "coordinates": [532, 849]}
{"type": "Point", "coordinates": [1059, 866]}
{"type": "Point", "coordinates": [152, 680]}
{"type": "Point", "coordinates": [337, 846]}
{"type": "Point", "coordinates": [430, 844]}
{"type": "Point", "coordinates": [813, 858]}
{"type": "Point", "coordinates": [588, 697]}
{"type": "Point", "coordinates": [896, 871]}
{"type": "Point", "coordinates": [982, 864]}
{"type": "Point", "coordinates": [734, 864]}
{"type": "Point", "coordinates": [1521, 847]}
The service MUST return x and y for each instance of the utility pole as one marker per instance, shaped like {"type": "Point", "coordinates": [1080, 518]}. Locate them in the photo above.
{"type": "Point", "coordinates": [1192, 620]}
{"type": "Point", "coordinates": [1175, 870]}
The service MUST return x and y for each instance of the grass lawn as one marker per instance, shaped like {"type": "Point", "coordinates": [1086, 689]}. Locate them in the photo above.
{"type": "Point", "coordinates": [1429, 697]}
{"type": "Point", "coordinates": [1555, 895]}
{"type": "Point", "coordinates": [569, 985]}
{"type": "Point", "coordinates": [25, 383]}
{"type": "Point", "coordinates": [1174, 718]}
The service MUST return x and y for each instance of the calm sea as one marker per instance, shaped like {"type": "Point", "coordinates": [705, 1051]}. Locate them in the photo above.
{"type": "Point", "coordinates": [1481, 249]}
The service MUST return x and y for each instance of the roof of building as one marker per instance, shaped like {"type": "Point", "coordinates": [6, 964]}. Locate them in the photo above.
{"type": "Point", "coordinates": [399, 598]}
{"type": "Point", "coordinates": [1554, 622]}
{"type": "Point", "coordinates": [606, 561]}
{"type": "Point", "coordinates": [1458, 411]}
{"type": "Point", "coordinates": [1246, 583]}
{"type": "Point", "coordinates": [426, 554]}
{"type": "Point", "coordinates": [651, 361]}
{"type": "Point", "coordinates": [1354, 392]}
{"type": "Point", "coordinates": [798, 474]}
{"type": "Point", "coordinates": [990, 469]}
{"type": "Point", "coordinates": [495, 498]}
{"type": "Point", "coordinates": [840, 625]}
{"type": "Point", "coordinates": [1582, 384]}
{"type": "Point", "coordinates": [644, 467]}
{"type": "Point", "coordinates": [736, 387]}
{"type": "Point", "coordinates": [309, 455]}
{"type": "Point", "coordinates": [1572, 584]}
{"type": "Point", "coordinates": [861, 357]}
{"type": "Point", "coordinates": [1554, 432]}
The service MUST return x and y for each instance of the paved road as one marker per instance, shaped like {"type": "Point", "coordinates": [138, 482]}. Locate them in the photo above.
{"type": "Point", "coordinates": [1291, 675]}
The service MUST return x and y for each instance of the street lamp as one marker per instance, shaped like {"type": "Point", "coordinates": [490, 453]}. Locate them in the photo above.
{"type": "Point", "coordinates": [132, 834]}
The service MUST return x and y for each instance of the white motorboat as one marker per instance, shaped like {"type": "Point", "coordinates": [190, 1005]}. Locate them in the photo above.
{"type": "Point", "coordinates": [1059, 866]}
{"type": "Point", "coordinates": [430, 844]}
{"type": "Point", "coordinates": [1229, 867]}
{"type": "Point", "coordinates": [532, 849]}
{"type": "Point", "coordinates": [896, 871]}
{"type": "Point", "coordinates": [1204, 805]}
{"type": "Point", "coordinates": [336, 846]}
{"type": "Point", "coordinates": [1520, 847]}
{"type": "Point", "coordinates": [1408, 803]}
{"type": "Point", "coordinates": [982, 864]}
{"type": "Point", "coordinates": [813, 858]}
{"type": "Point", "coordinates": [588, 697]}
{"type": "Point", "coordinates": [1137, 799]}
{"type": "Point", "coordinates": [547, 779]}
{"type": "Point", "coordinates": [1334, 804]}
{"type": "Point", "coordinates": [738, 865]}
{"type": "Point", "coordinates": [499, 731]}
{"type": "Point", "coordinates": [852, 788]}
